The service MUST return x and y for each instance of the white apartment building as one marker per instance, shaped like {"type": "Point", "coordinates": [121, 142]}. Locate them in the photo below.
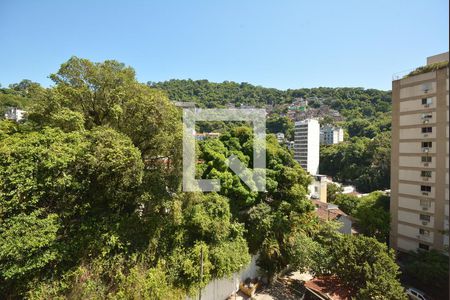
{"type": "Point", "coordinates": [330, 135]}
{"type": "Point", "coordinates": [307, 145]}
{"type": "Point", "coordinates": [419, 161]}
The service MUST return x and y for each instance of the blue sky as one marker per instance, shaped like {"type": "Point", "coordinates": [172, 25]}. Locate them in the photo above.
{"type": "Point", "coordinates": [281, 44]}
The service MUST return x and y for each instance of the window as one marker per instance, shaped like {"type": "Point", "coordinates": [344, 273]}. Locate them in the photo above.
{"type": "Point", "coordinates": [425, 202]}
{"type": "Point", "coordinates": [424, 247]}
{"type": "Point", "coordinates": [427, 101]}
{"type": "Point", "coordinates": [425, 217]}
{"type": "Point", "coordinates": [425, 173]}
{"type": "Point", "coordinates": [424, 232]}
{"type": "Point", "coordinates": [425, 188]}
{"type": "Point", "coordinates": [427, 129]}
{"type": "Point", "coordinates": [426, 158]}
{"type": "Point", "coordinates": [427, 144]}
{"type": "Point", "coordinates": [427, 116]}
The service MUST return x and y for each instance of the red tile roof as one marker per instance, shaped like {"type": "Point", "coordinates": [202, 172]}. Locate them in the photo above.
{"type": "Point", "coordinates": [330, 287]}
{"type": "Point", "coordinates": [323, 212]}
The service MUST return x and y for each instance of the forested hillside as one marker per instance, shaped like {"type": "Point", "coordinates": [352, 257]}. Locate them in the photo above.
{"type": "Point", "coordinates": [351, 102]}
{"type": "Point", "coordinates": [363, 159]}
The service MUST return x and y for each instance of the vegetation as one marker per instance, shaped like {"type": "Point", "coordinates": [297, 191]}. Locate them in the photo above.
{"type": "Point", "coordinates": [91, 205]}
{"type": "Point", "coordinates": [361, 161]}
{"type": "Point", "coordinates": [428, 68]}
{"type": "Point", "coordinates": [365, 266]}
{"type": "Point", "coordinates": [20, 95]}
{"type": "Point", "coordinates": [429, 268]}
{"type": "Point", "coordinates": [371, 212]}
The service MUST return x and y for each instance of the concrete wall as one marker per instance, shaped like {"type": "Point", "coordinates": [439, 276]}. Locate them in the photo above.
{"type": "Point", "coordinates": [414, 204]}
{"type": "Point", "coordinates": [414, 189]}
{"type": "Point", "coordinates": [416, 104]}
{"type": "Point", "coordinates": [414, 218]}
{"type": "Point", "coordinates": [415, 133]}
{"type": "Point", "coordinates": [220, 289]}
{"type": "Point", "coordinates": [416, 119]}
{"type": "Point", "coordinates": [437, 58]}
{"type": "Point", "coordinates": [416, 161]}
{"type": "Point", "coordinates": [415, 175]}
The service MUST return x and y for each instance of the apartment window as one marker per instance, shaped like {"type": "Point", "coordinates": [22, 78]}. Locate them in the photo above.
{"type": "Point", "coordinates": [427, 116]}
{"type": "Point", "coordinates": [424, 247]}
{"type": "Point", "coordinates": [427, 144]}
{"type": "Point", "coordinates": [425, 202]}
{"type": "Point", "coordinates": [425, 217]}
{"type": "Point", "coordinates": [427, 101]}
{"type": "Point", "coordinates": [427, 129]}
{"type": "Point", "coordinates": [425, 173]}
{"type": "Point", "coordinates": [426, 159]}
{"type": "Point", "coordinates": [425, 188]}
{"type": "Point", "coordinates": [424, 232]}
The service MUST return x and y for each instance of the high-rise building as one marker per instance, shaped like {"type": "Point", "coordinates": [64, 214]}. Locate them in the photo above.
{"type": "Point", "coordinates": [306, 145]}
{"type": "Point", "coordinates": [330, 135]}
{"type": "Point", "coordinates": [419, 161]}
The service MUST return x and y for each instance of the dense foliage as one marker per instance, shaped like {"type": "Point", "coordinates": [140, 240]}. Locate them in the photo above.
{"type": "Point", "coordinates": [362, 264]}
{"type": "Point", "coordinates": [428, 268]}
{"type": "Point", "coordinates": [91, 205]}
{"type": "Point", "coordinates": [360, 160]}
{"type": "Point", "coordinates": [370, 212]}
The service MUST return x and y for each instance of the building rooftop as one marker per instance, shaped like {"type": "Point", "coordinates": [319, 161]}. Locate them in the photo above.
{"type": "Point", "coordinates": [329, 287]}
{"type": "Point", "coordinates": [434, 63]}
{"type": "Point", "coordinates": [326, 212]}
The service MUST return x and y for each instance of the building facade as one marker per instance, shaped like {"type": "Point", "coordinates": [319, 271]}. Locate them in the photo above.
{"type": "Point", "coordinates": [419, 161]}
{"type": "Point", "coordinates": [307, 145]}
{"type": "Point", "coordinates": [330, 135]}
{"type": "Point", "coordinates": [318, 188]}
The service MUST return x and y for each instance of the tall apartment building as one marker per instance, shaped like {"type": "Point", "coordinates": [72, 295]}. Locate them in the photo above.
{"type": "Point", "coordinates": [419, 161]}
{"type": "Point", "coordinates": [306, 145]}
{"type": "Point", "coordinates": [330, 135]}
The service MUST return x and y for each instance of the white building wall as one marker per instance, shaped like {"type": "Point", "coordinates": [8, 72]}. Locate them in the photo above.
{"type": "Point", "coordinates": [307, 145]}
{"type": "Point", "coordinates": [313, 147]}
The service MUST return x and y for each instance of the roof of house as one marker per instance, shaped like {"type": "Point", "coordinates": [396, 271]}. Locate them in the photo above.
{"type": "Point", "coordinates": [329, 287]}
{"type": "Point", "coordinates": [324, 213]}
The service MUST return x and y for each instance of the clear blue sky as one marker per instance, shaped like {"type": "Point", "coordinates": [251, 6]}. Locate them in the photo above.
{"type": "Point", "coordinates": [281, 44]}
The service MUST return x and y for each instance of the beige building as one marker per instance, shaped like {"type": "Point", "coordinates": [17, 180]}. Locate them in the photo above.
{"type": "Point", "coordinates": [419, 162]}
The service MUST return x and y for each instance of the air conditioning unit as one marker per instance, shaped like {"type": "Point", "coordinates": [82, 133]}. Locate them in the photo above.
{"type": "Point", "coordinates": [424, 208]}
{"type": "Point", "coordinates": [424, 222]}
{"type": "Point", "coordinates": [426, 105]}
{"type": "Point", "coordinates": [425, 88]}
{"type": "Point", "coordinates": [425, 164]}
{"type": "Point", "coordinates": [425, 193]}
{"type": "Point", "coordinates": [425, 150]}
{"type": "Point", "coordinates": [425, 134]}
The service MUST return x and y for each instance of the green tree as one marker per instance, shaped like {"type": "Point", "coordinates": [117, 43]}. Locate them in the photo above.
{"type": "Point", "coordinates": [373, 216]}
{"type": "Point", "coordinates": [367, 267]}
{"type": "Point", "coordinates": [333, 190]}
{"type": "Point", "coordinates": [347, 203]}
{"type": "Point", "coordinates": [429, 268]}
